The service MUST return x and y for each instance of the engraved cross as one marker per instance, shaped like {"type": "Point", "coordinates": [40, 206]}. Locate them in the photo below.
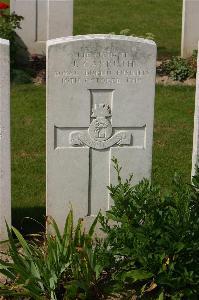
{"type": "Point", "coordinates": [100, 137]}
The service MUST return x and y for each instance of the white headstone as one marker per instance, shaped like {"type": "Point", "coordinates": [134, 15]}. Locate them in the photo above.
{"type": "Point", "coordinates": [43, 20]}
{"type": "Point", "coordinates": [190, 27]}
{"type": "Point", "coordinates": [100, 104]}
{"type": "Point", "coordinates": [5, 174]}
{"type": "Point", "coordinates": [195, 153]}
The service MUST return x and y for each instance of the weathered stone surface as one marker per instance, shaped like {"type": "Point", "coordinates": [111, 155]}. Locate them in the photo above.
{"type": "Point", "coordinates": [190, 25]}
{"type": "Point", "coordinates": [43, 20]}
{"type": "Point", "coordinates": [195, 153]}
{"type": "Point", "coordinates": [100, 104]}
{"type": "Point", "coordinates": [5, 174]}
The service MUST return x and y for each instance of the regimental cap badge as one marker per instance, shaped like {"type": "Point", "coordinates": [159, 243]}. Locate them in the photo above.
{"type": "Point", "coordinates": [101, 110]}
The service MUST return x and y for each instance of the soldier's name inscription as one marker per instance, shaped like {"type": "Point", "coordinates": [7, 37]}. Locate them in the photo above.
{"type": "Point", "coordinates": [110, 66]}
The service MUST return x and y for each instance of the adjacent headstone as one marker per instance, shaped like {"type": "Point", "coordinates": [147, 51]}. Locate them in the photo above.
{"type": "Point", "coordinates": [190, 26]}
{"type": "Point", "coordinates": [100, 104]}
{"type": "Point", "coordinates": [5, 174]}
{"type": "Point", "coordinates": [43, 20]}
{"type": "Point", "coordinates": [195, 153]}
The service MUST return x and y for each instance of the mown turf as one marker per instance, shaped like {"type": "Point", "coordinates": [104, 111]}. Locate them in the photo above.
{"type": "Point", "coordinates": [160, 17]}
{"type": "Point", "coordinates": [173, 132]}
{"type": "Point", "coordinates": [28, 152]}
{"type": "Point", "coordinates": [172, 144]}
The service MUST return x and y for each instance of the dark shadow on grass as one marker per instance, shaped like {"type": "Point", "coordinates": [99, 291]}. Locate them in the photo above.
{"type": "Point", "coordinates": [29, 219]}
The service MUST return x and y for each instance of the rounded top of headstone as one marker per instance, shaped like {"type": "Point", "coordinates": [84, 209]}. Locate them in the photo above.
{"type": "Point", "coordinates": [99, 37]}
{"type": "Point", "coordinates": [4, 42]}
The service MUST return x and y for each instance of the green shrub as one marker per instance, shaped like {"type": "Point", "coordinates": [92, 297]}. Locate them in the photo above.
{"type": "Point", "coordinates": [179, 68]}
{"type": "Point", "coordinates": [127, 31]}
{"type": "Point", "coordinates": [65, 266]}
{"type": "Point", "coordinates": [151, 248]}
{"type": "Point", "coordinates": [193, 63]}
{"type": "Point", "coordinates": [20, 76]}
{"type": "Point", "coordinates": [155, 238]}
{"type": "Point", "coordinates": [8, 25]}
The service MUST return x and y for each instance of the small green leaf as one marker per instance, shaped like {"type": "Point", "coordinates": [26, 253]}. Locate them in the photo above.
{"type": "Point", "coordinates": [161, 296]}
{"type": "Point", "coordinates": [136, 275]}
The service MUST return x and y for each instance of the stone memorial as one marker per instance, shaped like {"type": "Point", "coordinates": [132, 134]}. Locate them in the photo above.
{"type": "Point", "coordinates": [5, 172]}
{"type": "Point", "coordinates": [190, 27]}
{"type": "Point", "coordinates": [195, 153]}
{"type": "Point", "coordinates": [100, 104]}
{"type": "Point", "coordinates": [43, 20]}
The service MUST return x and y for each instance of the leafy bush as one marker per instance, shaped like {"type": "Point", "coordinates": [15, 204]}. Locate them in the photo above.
{"type": "Point", "coordinates": [63, 267]}
{"type": "Point", "coordinates": [8, 25]}
{"type": "Point", "coordinates": [151, 249]}
{"type": "Point", "coordinates": [20, 76]}
{"type": "Point", "coordinates": [193, 63]}
{"type": "Point", "coordinates": [155, 238]}
{"type": "Point", "coordinates": [127, 31]}
{"type": "Point", "coordinates": [179, 68]}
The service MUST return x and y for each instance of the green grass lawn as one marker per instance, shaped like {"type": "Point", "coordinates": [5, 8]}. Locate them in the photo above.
{"type": "Point", "coordinates": [172, 144]}
{"type": "Point", "coordinates": [173, 133]}
{"type": "Point", "coordinates": [28, 152]}
{"type": "Point", "coordinates": [160, 17]}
